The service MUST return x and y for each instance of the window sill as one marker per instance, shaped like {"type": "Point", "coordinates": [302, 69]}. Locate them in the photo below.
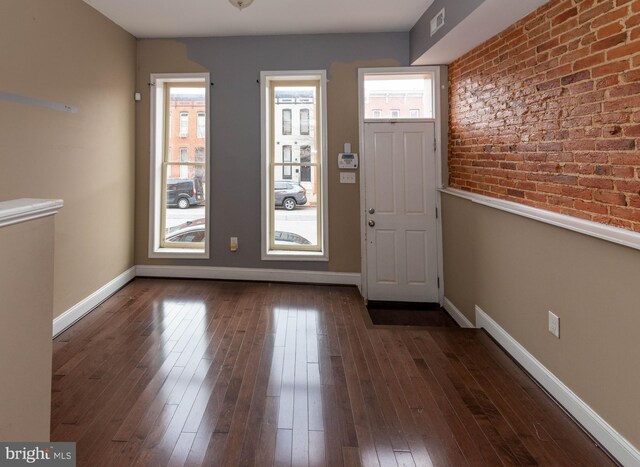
{"type": "Point", "coordinates": [179, 253]}
{"type": "Point", "coordinates": [278, 255]}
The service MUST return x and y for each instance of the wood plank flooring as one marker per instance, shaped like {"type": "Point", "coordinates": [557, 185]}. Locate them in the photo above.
{"type": "Point", "coordinates": [177, 372]}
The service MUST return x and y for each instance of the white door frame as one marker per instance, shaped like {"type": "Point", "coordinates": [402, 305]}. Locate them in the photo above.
{"type": "Point", "coordinates": [439, 160]}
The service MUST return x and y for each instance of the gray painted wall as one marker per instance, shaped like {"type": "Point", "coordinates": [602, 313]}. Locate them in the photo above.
{"type": "Point", "coordinates": [235, 64]}
{"type": "Point", "coordinates": [455, 11]}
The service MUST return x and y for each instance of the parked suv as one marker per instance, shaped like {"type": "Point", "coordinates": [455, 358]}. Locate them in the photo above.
{"type": "Point", "coordinates": [289, 195]}
{"type": "Point", "coordinates": [184, 192]}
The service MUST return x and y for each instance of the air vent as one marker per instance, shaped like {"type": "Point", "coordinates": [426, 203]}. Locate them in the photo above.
{"type": "Point", "coordinates": [437, 22]}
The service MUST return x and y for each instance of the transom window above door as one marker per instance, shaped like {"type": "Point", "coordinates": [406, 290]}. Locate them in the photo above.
{"type": "Point", "coordinates": [399, 96]}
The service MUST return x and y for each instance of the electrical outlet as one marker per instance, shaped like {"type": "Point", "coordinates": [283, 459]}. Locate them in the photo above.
{"type": "Point", "coordinates": [554, 324]}
{"type": "Point", "coordinates": [233, 245]}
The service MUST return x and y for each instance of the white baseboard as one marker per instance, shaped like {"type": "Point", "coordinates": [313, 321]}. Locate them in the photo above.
{"type": "Point", "coordinates": [248, 274]}
{"type": "Point", "coordinates": [605, 434]}
{"type": "Point", "coordinates": [80, 309]}
{"type": "Point", "coordinates": [457, 315]}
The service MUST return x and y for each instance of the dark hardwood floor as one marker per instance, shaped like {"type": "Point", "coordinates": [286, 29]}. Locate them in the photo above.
{"type": "Point", "coordinates": [172, 372]}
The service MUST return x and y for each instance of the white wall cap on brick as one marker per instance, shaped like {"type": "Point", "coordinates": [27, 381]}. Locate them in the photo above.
{"type": "Point", "coordinates": [594, 229]}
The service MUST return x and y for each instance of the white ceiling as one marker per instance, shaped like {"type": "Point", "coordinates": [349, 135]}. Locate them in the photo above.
{"type": "Point", "coordinates": [199, 18]}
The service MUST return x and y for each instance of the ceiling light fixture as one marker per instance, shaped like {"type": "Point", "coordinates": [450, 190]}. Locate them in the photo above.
{"type": "Point", "coordinates": [240, 4]}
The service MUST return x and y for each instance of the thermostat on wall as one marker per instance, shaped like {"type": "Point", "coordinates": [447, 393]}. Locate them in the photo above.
{"type": "Point", "coordinates": [347, 160]}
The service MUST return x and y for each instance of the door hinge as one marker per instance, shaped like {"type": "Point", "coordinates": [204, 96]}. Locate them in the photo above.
{"type": "Point", "coordinates": [435, 145]}
{"type": "Point", "coordinates": [436, 213]}
{"type": "Point", "coordinates": [438, 282]}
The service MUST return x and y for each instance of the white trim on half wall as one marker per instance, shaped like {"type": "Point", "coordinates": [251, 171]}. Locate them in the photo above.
{"type": "Point", "coordinates": [593, 229]}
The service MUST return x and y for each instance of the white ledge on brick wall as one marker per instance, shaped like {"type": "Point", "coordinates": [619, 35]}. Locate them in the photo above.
{"type": "Point", "coordinates": [594, 229]}
{"type": "Point", "coordinates": [26, 209]}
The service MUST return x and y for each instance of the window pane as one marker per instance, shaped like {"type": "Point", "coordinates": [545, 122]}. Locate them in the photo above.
{"type": "Point", "coordinates": [184, 124]}
{"type": "Point", "coordinates": [184, 157]}
{"type": "Point", "coordinates": [305, 158]}
{"type": "Point", "coordinates": [200, 124]}
{"type": "Point", "coordinates": [296, 215]}
{"type": "Point", "coordinates": [286, 122]}
{"type": "Point", "coordinates": [185, 198]}
{"type": "Point", "coordinates": [286, 157]}
{"type": "Point", "coordinates": [399, 96]}
{"type": "Point", "coordinates": [184, 187]}
{"type": "Point", "coordinates": [200, 157]}
{"type": "Point", "coordinates": [304, 121]}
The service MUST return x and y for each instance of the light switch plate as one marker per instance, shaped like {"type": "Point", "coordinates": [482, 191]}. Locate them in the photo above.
{"type": "Point", "coordinates": [554, 324]}
{"type": "Point", "coordinates": [347, 177]}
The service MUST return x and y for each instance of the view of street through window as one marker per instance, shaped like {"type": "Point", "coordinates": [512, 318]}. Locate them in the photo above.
{"type": "Point", "coordinates": [301, 221]}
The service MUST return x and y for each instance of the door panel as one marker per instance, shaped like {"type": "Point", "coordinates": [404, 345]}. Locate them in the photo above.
{"type": "Point", "coordinates": [386, 270]}
{"type": "Point", "coordinates": [416, 246]}
{"type": "Point", "coordinates": [414, 173]}
{"type": "Point", "coordinates": [383, 167]}
{"type": "Point", "coordinates": [400, 183]}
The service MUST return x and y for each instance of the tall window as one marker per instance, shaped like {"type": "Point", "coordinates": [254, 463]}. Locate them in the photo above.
{"type": "Point", "coordinates": [304, 121]}
{"type": "Point", "coordinates": [395, 113]}
{"type": "Point", "coordinates": [200, 125]}
{"type": "Point", "coordinates": [179, 224]}
{"type": "Point", "coordinates": [184, 124]}
{"type": "Point", "coordinates": [286, 121]}
{"type": "Point", "coordinates": [286, 159]}
{"type": "Point", "coordinates": [294, 180]}
{"type": "Point", "coordinates": [377, 113]}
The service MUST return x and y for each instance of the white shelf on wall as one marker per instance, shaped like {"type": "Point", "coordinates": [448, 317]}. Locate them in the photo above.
{"type": "Point", "coordinates": [594, 229]}
{"type": "Point", "coordinates": [26, 209]}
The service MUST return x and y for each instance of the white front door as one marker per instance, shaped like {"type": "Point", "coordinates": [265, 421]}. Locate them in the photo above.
{"type": "Point", "coordinates": [400, 204]}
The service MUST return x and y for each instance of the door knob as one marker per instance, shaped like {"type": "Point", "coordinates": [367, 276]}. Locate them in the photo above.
{"type": "Point", "coordinates": [372, 211]}
{"type": "Point", "coordinates": [372, 223]}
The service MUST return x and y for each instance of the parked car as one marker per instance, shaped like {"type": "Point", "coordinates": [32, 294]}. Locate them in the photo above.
{"type": "Point", "coordinates": [289, 195]}
{"type": "Point", "coordinates": [191, 234]}
{"type": "Point", "coordinates": [186, 224]}
{"type": "Point", "coordinates": [285, 238]}
{"type": "Point", "coordinates": [184, 192]}
{"type": "Point", "coordinates": [193, 231]}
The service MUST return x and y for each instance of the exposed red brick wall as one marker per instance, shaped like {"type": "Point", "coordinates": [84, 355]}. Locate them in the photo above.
{"type": "Point", "coordinates": [547, 113]}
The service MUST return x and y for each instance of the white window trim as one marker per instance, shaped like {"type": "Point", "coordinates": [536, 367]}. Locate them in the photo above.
{"type": "Point", "coordinates": [265, 78]}
{"type": "Point", "coordinates": [155, 167]}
